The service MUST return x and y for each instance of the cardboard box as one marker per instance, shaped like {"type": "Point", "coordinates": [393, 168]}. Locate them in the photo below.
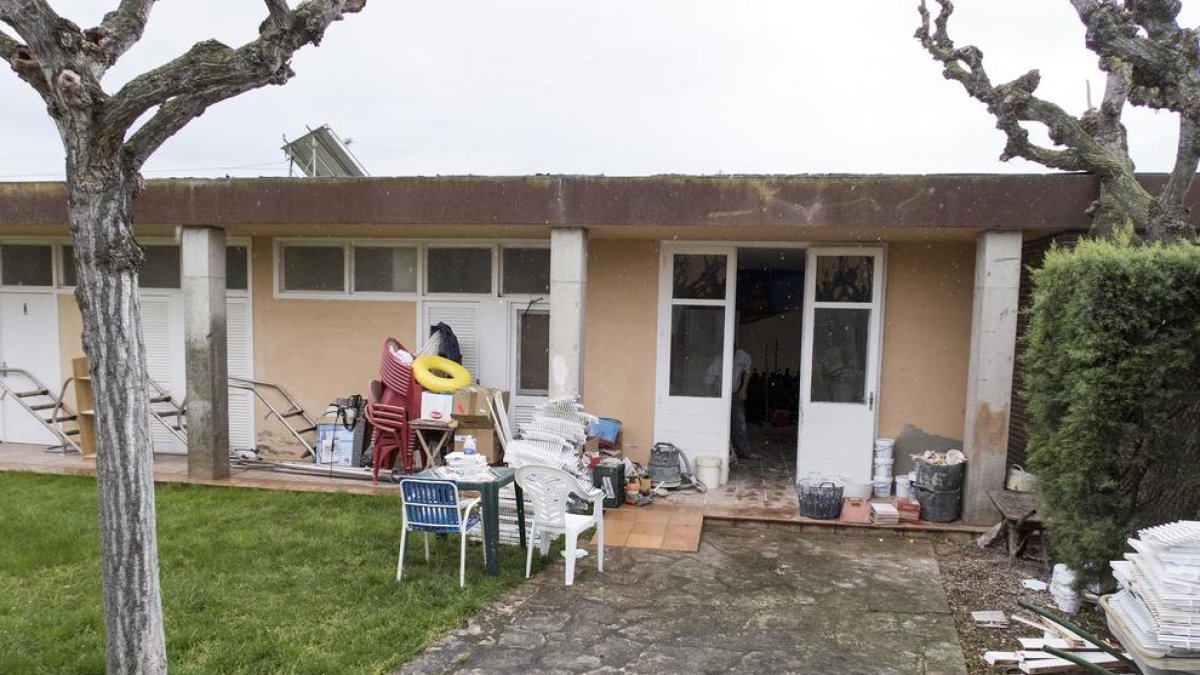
{"type": "Point", "coordinates": [436, 406]}
{"type": "Point", "coordinates": [485, 442]}
{"type": "Point", "coordinates": [473, 401]}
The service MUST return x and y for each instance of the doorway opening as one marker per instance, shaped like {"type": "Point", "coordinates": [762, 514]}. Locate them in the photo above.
{"type": "Point", "coordinates": [769, 329]}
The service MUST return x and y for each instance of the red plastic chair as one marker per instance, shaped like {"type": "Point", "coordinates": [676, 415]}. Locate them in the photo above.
{"type": "Point", "coordinates": [390, 407]}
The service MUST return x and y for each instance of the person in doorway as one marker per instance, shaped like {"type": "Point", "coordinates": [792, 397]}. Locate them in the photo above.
{"type": "Point", "coordinates": [739, 437]}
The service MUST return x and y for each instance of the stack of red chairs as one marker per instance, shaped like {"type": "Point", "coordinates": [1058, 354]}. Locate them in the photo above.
{"type": "Point", "coordinates": [389, 409]}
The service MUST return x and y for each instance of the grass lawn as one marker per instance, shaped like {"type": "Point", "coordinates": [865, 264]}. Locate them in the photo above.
{"type": "Point", "coordinates": [254, 581]}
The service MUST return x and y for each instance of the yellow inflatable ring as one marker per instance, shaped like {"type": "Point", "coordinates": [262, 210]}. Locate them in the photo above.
{"type": "Point", "coordinates": [426, 369]}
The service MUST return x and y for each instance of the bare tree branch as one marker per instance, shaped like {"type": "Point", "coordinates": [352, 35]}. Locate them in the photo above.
{"type": "Point", "coordinates": [1095, 143]}
{"type": "Point", "coordinates": [173, 116]}
{"type": "Point", "coordinates": [1164, 60]}
{"type": "Point", "coordinates": [1187, 155]}
{"type": "Point", "coordinates": [23, 63]}
{"type": "Point", "coordinates": [120, 30]}
{"type": "Point", "coordinates": [1010, 103]}
{"type": "Point", "coordinates": [212, 72]}
{"type": "Point", "coordinates": [279, 13]}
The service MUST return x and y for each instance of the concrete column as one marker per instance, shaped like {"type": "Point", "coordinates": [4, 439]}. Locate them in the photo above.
{"type": "Point", "coordinates": [203, 278]}
{"type": "Point", "coordinates": [990, 373]}
{"type": "Point", "coordinates": [568, 288]}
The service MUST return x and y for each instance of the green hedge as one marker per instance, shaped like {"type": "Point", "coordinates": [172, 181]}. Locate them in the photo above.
{"type": "Point", "coordinates": [1112, 380]}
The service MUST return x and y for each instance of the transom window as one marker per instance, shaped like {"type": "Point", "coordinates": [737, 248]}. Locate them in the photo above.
{"type": "Point", "coordinates": [27, 265]}
{"type": "Point", "coordinates": [162, 267]}
{"type": "Point", "coordinates": [525, 271]}
{"type": "Point", "coordinates": [384, 268]}
{"type": "Point", "coordinates": [459, 270]}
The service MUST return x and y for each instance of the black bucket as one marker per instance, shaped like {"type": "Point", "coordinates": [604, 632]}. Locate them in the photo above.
{"type": "Point", "coordinates": [940, 477]}
{"type": "Point", "coordinates": [939, 506]}
{"type": "Point", "coordinates": [820, 499]}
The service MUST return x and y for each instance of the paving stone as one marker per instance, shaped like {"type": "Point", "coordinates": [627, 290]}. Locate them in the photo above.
{"type": "Point", "coordinates": [755, 598]}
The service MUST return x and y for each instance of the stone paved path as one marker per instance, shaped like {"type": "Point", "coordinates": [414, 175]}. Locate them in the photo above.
{"type": "Point", "coordinates": [756, 598]}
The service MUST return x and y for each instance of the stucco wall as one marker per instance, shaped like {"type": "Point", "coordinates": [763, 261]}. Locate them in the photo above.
{"type": "Point", "coordinates": [619, 348]}
{"type": "Point", "coordinates": [926, 343]}
{"type": "Point", "coordinates": [319, 349]}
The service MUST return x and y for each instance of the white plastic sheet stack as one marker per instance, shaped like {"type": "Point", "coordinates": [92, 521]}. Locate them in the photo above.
{"type": "Point", "coordinates": [1160, 602]}
{"type": "Point", "coordinates": [885, 458]}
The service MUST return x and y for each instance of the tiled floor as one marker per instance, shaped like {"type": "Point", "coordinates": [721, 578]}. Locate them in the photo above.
{"type": "Point", "coordinates": [763, 487]}
{"type": "Point", "coordinates": [655, 527]}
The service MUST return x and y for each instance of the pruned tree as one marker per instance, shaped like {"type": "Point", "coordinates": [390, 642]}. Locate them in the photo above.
{"type": "Point", "coordinates": [1149, 60]}
{"type": "Point", "coordinates": [106, 143]}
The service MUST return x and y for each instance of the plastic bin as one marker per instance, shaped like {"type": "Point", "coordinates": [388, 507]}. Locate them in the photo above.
{"type": "Point", "coordinates": [940, 477]}
{"type": "Point", "coordinates": [820, 497]}
{"type": "Point", "coordinates": [606, 429]}
{"type": "Point", "coordinates": [939, 506]}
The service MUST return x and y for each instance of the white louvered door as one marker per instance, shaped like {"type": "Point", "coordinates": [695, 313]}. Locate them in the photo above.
{"type": "Point", "coordinates": [463, 319]}
{"type": "Point", "coordinates": [240, 356]}
{"type": "Point", "coordinates": [162, 333]}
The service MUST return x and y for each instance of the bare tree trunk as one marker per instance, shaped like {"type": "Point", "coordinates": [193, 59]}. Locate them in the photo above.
{"type": "Point", "coordinates": [107, 263]}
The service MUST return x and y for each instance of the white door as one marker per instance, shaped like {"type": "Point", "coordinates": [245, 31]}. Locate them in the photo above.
{"type": "Point", "coordinates": [530, 333]}
{"type": "Point", "coordinates": [28, 340]}
{"type": "Point", "coordinates": [463, 319]}
{"type": "Point", "coordinates": [695, 348]}
{"type": "Point", "coordinates": [240, 356]}
{"type": "Point", "coordinates": [840, 361]}
{"type": "Point", "coordinates": [162, 333]}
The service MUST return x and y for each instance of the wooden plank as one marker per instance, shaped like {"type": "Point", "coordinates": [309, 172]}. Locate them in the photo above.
{"type": "Point", "coordinates": [1028, 622]}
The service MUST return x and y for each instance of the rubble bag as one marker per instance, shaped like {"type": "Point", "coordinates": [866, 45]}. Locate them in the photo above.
{"type": "Point", "coordinates": [428, 371]}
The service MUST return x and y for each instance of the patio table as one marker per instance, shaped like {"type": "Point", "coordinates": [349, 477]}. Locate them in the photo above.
{"type": "Point", "coordinates": [489, 492]}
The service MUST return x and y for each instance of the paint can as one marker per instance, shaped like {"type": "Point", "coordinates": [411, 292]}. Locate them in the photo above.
{"type": "Point", "coordinates": [902, 486]}
{"type": "Point", "coordinates": [708, 470]}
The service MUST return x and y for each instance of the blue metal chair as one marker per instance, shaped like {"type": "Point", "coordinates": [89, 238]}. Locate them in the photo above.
{"type": "Point", "coordinates": [434, 506]}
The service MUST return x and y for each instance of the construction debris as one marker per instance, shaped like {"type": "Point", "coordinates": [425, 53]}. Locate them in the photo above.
{"type": "Point", "coordinates": [883, 513]}
{"type": "Point", "coordinates": [1034, 584]}
{"type": "Point", "coordinates": [990, 619]}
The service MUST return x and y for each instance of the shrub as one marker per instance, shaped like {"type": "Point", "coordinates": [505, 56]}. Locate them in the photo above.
{"type": "Point", "coordinates": [1112, 363]}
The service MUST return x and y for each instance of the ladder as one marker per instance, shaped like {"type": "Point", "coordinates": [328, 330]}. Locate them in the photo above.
{"type": "Point", "coordinates": [292, 416]}
{"type": "Point", "coordinates": [167, 411]}
{"type": "Point", "coordinates": [37, 398]}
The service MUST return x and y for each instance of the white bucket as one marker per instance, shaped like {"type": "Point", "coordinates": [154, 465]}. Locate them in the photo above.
{"type": "Point", "coordinates": [708, 470]}
{"type": "Point", "coordinates": [883, 488]}
{"type": "Point", "coordinates": [902, 486]}
{"type": "Point", "coordinates": [884, 444]}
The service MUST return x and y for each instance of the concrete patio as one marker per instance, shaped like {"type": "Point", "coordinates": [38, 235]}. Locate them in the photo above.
{"type": "Point", "coordinates": [756, 598]}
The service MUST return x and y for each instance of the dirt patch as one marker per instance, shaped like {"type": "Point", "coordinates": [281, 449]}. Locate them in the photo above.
{"type": "Point", "coordinates": [978, 580]}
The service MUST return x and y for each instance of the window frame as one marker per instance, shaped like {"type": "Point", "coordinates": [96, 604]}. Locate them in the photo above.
{"type": "Point", "coordinates": [500, 272]}
{"type": "Point", "coordinates": [350, 291]}
{"type": "Point", "coordinates": [54, 245]}
{"type": "Point", "coordinates": [492, 246]}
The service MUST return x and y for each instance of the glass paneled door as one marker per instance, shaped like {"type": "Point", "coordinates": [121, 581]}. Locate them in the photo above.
{"type": "Point", "coordinates": [695, 348]}
{"type": "Point", "coordinates": [840, 361]}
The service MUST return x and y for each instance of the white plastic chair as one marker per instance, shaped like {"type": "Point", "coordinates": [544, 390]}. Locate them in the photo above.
{"type": "Point", "coordinates": [548, 488]}
{"type": "Point", "coordinates": [434, 506]}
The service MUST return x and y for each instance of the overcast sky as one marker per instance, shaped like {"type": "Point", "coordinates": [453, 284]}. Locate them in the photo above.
{"type": "Point", "coordinates": [616, 87]}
